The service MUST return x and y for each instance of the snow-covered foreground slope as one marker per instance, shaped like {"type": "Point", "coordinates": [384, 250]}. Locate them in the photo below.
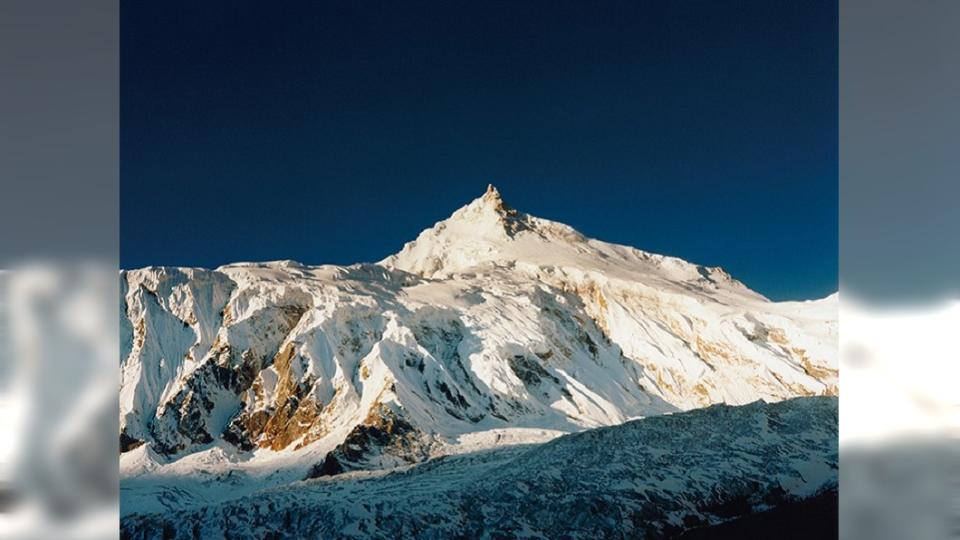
{"type": "Point", "coordinates": [647, 478]}
{"type": "Point", "coordinates": [491, 328]}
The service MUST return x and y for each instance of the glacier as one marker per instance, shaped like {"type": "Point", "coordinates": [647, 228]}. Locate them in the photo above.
{"type": "Point", "coordinates": [650, 478]}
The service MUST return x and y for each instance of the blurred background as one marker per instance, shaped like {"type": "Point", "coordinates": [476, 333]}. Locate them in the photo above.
{"type": "Point", "coordinates": [899, 268]}
{"type": "Point", "coordinates": [58, 251]}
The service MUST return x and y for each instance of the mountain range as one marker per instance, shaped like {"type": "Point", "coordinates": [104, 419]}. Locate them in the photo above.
{"type": "Point", "coordinates": [492, 329]}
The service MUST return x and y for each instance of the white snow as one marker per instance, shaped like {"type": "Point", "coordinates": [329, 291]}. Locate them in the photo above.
{"type": "Point", "coordinates": [492, 328]}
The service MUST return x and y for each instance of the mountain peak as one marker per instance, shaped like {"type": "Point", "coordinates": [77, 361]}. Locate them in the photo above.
{"type": "Point", "coordinates": [492, 195]}
{"type": "Point", "coordinates": [488, 231]}
{"type": "Point", "coordinates": [489, 215]}
{"type": "Point", "coordinates": [492, 200]}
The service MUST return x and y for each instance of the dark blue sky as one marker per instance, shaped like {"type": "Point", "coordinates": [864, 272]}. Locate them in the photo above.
{"type": "Point", "coordinates": [333, 132]}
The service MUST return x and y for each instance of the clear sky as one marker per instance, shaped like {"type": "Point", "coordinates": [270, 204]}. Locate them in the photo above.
{"type": "Point", "coordinates": [333, 132]}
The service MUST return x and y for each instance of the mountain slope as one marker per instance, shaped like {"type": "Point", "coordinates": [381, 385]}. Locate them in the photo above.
{"type": "Point", "coordinates": [649, 478]}
{"type": "Point", "coordinates": [493, 327]}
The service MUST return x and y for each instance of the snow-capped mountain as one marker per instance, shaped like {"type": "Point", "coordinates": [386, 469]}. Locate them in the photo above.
{"type": "Point", "coordinates": [650, 478]}
{"type": "Point", "coordinates": [493, 327]}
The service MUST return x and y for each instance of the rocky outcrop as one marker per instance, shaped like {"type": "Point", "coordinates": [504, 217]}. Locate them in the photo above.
{"type": "Point", "coordinates": [384, 439]}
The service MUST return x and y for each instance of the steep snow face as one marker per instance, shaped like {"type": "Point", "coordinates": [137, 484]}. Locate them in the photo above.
{"type": "Point", "coordinates": [493, 327]}
{"type": "Point", "coordinates": [650, 478]}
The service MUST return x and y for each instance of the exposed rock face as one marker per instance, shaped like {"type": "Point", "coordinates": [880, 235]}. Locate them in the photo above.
{"type": "Point", "coordinates": [383, 440]}
{"type": "Point", "coordinates": [492, 320]}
